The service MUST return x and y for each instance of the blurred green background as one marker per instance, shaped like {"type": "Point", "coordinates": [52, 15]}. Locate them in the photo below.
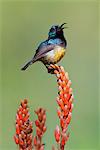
{"type": "Point", "coordinates": [24, 24]}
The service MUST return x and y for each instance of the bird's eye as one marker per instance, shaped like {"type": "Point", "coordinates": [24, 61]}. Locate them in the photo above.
{"type": "Point", "coordinates": [52, 30]}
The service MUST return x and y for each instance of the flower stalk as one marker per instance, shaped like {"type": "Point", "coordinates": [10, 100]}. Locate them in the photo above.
{"type": "Point", "coordinates": [23, 136]}
{"type": "Point", "coordinates": [65, 105]}
{"type": "Point", "coordinates": [40, 129]}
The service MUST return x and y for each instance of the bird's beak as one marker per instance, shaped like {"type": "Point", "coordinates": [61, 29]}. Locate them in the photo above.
{"type": "Point", "coordinates": [61, 27]}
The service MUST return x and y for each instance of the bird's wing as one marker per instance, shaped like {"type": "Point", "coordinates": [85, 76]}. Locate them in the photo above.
{"type": "Point", "coordinates": [42, 50]}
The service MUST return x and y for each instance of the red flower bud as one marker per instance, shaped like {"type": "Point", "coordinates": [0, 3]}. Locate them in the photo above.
{"type": "Point", "coordinates": [57, 134]}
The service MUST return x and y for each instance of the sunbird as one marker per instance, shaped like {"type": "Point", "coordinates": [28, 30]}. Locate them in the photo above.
{"type": "Point", "coordinates": [51, 50]}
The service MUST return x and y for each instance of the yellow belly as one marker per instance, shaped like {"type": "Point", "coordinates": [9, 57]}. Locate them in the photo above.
{"type": "Point", "coordinates": [55, 55]}
{"type": "Point", "coordinates": [59, 54]}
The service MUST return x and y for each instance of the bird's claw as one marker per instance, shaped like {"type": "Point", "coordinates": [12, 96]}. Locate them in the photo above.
{"type": "Point", "coordinates": [51, 68]}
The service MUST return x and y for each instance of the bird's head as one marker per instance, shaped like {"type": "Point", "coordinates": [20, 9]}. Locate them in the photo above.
{"type": "Point", "coordinates": [56, 31]}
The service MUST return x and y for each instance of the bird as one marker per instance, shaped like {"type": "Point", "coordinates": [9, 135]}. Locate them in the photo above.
{"type": "Point", "coordinates": [52, 50]}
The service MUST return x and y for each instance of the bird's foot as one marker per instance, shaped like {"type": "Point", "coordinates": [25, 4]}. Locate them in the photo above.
{"type": "Point", "coordinates": [51, 68]}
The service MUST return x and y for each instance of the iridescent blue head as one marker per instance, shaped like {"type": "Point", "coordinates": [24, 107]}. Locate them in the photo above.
{"type": "Point", "coordinates": [56, 31]}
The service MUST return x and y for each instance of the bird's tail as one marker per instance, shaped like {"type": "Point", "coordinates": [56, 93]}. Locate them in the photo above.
{"type": "Point", "coordinates": [27, 65]}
